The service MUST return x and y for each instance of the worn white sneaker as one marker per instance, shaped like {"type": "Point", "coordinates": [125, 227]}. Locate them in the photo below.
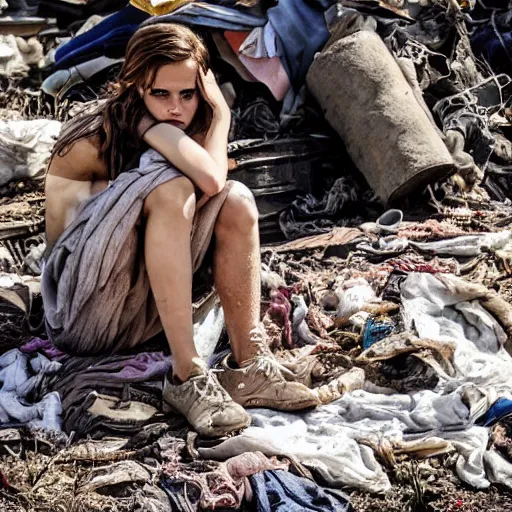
{"type": "Point", "coordinates": [206, 405]}
{"type": "Point", "coordinates": [261, 383]}
{"type": "Point", "coordinates": [264, 382]}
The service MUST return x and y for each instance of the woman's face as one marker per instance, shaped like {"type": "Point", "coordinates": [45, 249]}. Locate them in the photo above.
{"type": "Point", "coordinates": [174, 96]}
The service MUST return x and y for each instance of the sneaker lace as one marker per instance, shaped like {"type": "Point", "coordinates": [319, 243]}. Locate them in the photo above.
{"type": "Point", "coordinates": [270, 367]}
{"type": "Point", "coordinates": [258, 338]}
{"type": "Point", "coordinates": [264, 359]}
{"type": "Point", "coordinates": [211, 390]}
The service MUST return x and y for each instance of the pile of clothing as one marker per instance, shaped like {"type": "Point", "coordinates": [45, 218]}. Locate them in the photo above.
{"type": "Point", "coordinates": [398, 319]}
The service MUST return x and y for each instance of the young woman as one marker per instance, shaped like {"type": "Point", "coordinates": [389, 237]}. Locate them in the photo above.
{"type": "Point", "coordinates": [128, 187]}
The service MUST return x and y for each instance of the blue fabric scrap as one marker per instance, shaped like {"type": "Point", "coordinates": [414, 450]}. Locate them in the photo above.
{"type": "Point", "coordinates": [115, 30]}
{"type": "Point", "coordinates": [499, 410]}
{"type": "Point", "coordinates": [376, 330]}
{"type": "Point", "coordinates": [281, 491]}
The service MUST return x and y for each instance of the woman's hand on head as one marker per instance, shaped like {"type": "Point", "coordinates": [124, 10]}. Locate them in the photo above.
{"type": "Point", "coordinates": [204, 158]}
{"type": "Point", "coordinates": [211, 92]}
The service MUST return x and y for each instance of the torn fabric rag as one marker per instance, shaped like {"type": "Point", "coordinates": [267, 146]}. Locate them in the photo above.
{"type": "Point", "coordinates": [448, 309]}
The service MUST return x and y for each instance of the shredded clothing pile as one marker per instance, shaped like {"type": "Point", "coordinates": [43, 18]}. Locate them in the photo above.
{"type": "Point", "coordinates": [376, 137]}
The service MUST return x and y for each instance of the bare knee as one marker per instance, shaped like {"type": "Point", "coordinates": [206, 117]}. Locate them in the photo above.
{"type": "Point", "coordinates": [239, 212]}
{"type": "Point", "coordinates": [175, 197]}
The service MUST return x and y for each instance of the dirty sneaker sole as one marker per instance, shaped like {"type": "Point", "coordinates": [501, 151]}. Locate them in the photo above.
{"type": "Point", "coordinates": [210, 432]}
{"type": "Point", "coordinates": [284, 405]}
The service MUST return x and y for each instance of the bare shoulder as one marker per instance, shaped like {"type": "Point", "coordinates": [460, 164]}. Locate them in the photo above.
{"type": "Point", "coordinates": [80, 162]}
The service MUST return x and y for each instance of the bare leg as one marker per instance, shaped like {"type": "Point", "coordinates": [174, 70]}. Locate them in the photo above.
{"type": "Point", "coordinates": [169, 210]}
{"type": "Point", "coordinates": [259, 382]}
{"type": "Point", "coordinates": [237, 268]}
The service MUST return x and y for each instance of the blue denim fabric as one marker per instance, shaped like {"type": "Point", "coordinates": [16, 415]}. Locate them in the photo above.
{"type": "Point", "coordinates": [500, 409]}
{"type": "Point", "coordinates": [109, 37]}
{"type": "Point", "coordinates": [212, 16]}
{"type": "Point", "coordinates": [302, 31]}
{"type": "Point", "coordinates": [280, 491]}
{"type": "Point", "coordinates": [493, 42]}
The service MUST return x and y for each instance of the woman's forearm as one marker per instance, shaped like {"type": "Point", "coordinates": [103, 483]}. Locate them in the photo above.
{"type": "Point", "coordinates": [216, 142]}
{"type": "Point", "coordinates": [206, 165]}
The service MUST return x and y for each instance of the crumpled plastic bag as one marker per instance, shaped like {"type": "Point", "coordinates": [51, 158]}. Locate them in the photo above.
{"type": "Point", "coordinates": [18, 54]}
{"type": "Point", "coordinates": [25, 148]}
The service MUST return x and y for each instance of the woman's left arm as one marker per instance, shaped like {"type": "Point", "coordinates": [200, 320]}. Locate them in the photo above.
{"type": "Point", "coordinates": [205, 164]}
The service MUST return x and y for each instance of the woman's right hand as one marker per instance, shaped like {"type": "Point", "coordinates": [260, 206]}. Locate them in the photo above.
{"type": "Point", "coordinates": [211, 92]}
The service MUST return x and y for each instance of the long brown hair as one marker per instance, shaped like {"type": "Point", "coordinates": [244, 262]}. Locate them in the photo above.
{"type": "Point", "coordinates": [116, 120]}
